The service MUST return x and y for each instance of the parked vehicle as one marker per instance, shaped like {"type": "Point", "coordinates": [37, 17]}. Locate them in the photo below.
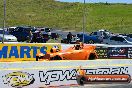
{"type": "Point", "coordinates": [118, 40]}
{"type": "Point", "coordinates": [102, 34]}
{"type": "Point", "coordinates": [38, 37]}
{"type": "Point", "coordinates": [54, 35]}
{"type": "Point", "coordinates": [22, 33]}
{"type": "Point", "coordinates": [11, 28]}
{"type": "Point", "coordinates": [77, 52]}
{"type": "Point", "coordinates": [45, 37]}
{"type": "Point", "coordinates": [7, 37]}
{"type": "Point", "coordinates": [35, 37]}
{"type": "Point", "coordinates": [74, 40]}
{"type": "Point", "coordinates": [89, 39]}
{"type": "Point", "coordinates": [128, 35]}
{"type": "Point", "coordinates": [45, 29]}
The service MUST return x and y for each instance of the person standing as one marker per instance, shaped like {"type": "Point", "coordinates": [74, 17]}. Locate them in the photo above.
{"type": "Point", "coordinates": [69, 37]}
{"type": "Point", "coordinates": [30, 36]}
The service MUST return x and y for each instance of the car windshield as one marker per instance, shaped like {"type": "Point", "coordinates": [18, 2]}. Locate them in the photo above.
{"type": "Point", "coordinates": [47, 29]}
{"type": "Point", "coordinates": [128, 39]}
{"type": "Point", "coordinates": [6, 32]}
{"type": "Point", "coordinates": [80, 35]}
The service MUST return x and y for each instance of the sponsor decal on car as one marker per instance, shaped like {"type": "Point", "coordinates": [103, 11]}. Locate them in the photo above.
{"type": "Point", "coordinates": [18, 79]}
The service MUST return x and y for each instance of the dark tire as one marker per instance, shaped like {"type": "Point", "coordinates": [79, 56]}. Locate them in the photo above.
{"type": "Point", "coordinates": [19, 40]}
{"type": "Point", "coordinates": [90, 42]}
{"type": "Point", "coordinates": [81, 80]}
{"type": "Point", "coordinates": [56, 58]}
{"type": "Point", "coordinates": [92, 57]}
{"type": "Point", "coordinates": [37, 58]}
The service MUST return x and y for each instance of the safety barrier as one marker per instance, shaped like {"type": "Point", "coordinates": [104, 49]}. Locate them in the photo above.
{"type": "Point", "coordinates": [34, 74]}
{"type": "Point", "coordinates": [57, 73]}
{"type": "Point", "coordinates": [113, 52]}
{"type": "Point", "coordinates": [28, 51]}
{"type": "Point", "coordinates": [24, 51]}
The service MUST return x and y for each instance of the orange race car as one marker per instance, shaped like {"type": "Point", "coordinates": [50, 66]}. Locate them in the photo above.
{"type": "Point", "coordinates": [77, 52]}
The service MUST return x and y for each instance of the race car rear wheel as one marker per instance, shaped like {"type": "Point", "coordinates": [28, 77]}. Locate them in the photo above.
{"type": "Point", "coordinates": [92, 57]}
{"type": "Point", "coordinates": [56, 58]}
{"type": "Point", "coordinates": [81, 81]}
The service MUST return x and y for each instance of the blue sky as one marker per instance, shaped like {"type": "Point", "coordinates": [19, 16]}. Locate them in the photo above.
{"type": "Point", "coordinates": [93, 1]}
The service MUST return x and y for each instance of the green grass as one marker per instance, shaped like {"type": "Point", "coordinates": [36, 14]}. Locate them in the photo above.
{"type": "Point", "coordinates": [68, 16]}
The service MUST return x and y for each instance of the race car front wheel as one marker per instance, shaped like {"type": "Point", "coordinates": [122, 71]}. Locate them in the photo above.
{"type": "Point", "coordinates": [39, 57]}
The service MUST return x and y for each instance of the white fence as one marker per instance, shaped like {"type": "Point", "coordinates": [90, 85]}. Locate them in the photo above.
{"type": "Point", "coordinates": [46, 74]}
